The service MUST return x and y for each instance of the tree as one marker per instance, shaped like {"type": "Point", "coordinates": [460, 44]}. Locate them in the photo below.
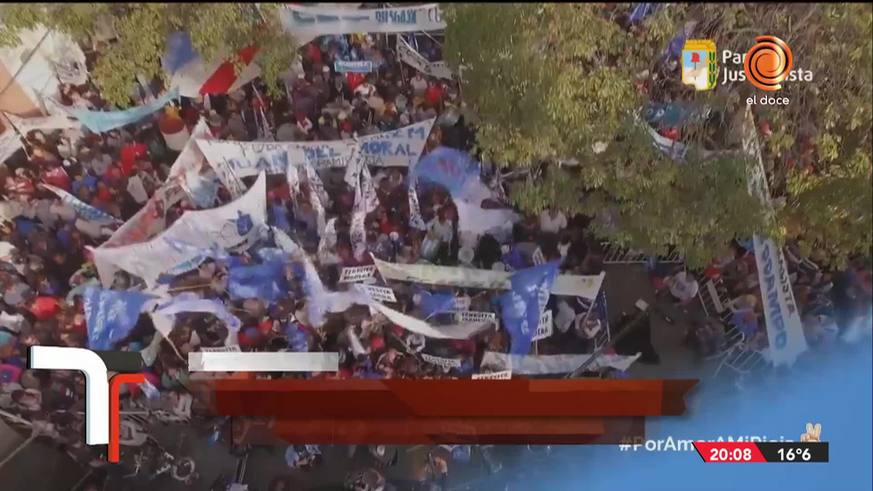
{"type": "Point", "coordinates": [562, 80]}
{"type": "Point", "coordinates": [142, 30]}
{"type": "Point", "coordinates": [560, 83]}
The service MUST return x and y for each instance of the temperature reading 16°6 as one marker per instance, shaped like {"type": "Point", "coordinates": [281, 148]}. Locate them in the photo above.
{"type": "Point", "coordinates": [790, 454]}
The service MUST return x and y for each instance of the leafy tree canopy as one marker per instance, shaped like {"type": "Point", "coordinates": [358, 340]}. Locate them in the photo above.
{"type": "Point", "coordinates": [555, 82]}
{"type": "Point", "coordinates": [142, 30]}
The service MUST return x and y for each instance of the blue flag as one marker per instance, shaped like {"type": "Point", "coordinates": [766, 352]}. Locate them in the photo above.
{"type": "Point", "coordinates": [525, 302]}
{"type": "Point", "coordinates": [265, 281]}
{"type": "Point", "coordinates": [447, 167]}
{"type": "Point", "coordinates": [436, 303]}
{"type": "Point", "coordinates": [111, 315]}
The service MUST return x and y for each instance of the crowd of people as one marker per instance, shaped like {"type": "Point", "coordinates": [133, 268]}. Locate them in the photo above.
{"type": "Point", "coordinates": [47, 264]}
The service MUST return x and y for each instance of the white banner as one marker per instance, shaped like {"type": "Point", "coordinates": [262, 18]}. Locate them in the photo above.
{"type": "Point", "coordinates": [307, 23]}
{"type": "Point", "coordinates": [356, 274]}
{"type": "Point", "coordinates": [378, 293]}
{"type": "Point", "coordinates": [784, 327]}
{"type": "Point", "coordinates": [570, 285]}
{"type": "Point", "coordinates": [503, 375]}
{"type": "Point", "coordinates": [413, 58]}
{"type": "Point", "coordinates": [398, 148]}
{"type": "Point", "coordinates": [546, 327]}
{"type": "Point", "coordinates": [441, 362]}
{"type": "Point", "coordinates": [458, 331]}
{"type": "Point", "coordinates": [44, 123]}
{"type": "Point", "coordinates": [551, 364]}
{"type": "Point", "coordinates": [470, 316]}
{"type": "Point", "coordinates": [226, 226]}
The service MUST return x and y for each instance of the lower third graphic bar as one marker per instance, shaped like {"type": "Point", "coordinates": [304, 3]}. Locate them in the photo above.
{"type": "Point", "coordinates": [263, 362]}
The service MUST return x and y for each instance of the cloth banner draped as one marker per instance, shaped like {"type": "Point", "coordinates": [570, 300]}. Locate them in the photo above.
{"type": "Point", "coordinates": [418, 326]}
{"type": "Point", "coordinates": [307, 23]}
{"type": "Point", "coordinates": [224, 227]}
{"type": "Point", "coordinates": [551, 364]}
{"type": "Point", "coordinates": [110, 315]}
{"type": "Point", "coordinates": [486, 279]}
{"type": "Point", "coordinates": [102, 121]}
{"type": "Point", "coordinates": [399, 148]}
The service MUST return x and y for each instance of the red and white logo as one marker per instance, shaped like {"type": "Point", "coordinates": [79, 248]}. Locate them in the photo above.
{"type": "Point", "coordinates": [101, 392]}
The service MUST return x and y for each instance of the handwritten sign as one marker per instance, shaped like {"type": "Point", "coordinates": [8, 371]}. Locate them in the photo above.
{"type": "Point", "coordinates": [356, 274]}
{"type": "Point", "coordinates": [442, 362]}
{"type": "Point", "coordinates": [504, 375]}
{"type": "Point", "coordinates": [473, 317]}
{"type": "Point", "coordinates": [221, 349]}
{"type": "Point", "coordinates": [546, 327]}
{"type": "Point", "coordinates": [380, 293]}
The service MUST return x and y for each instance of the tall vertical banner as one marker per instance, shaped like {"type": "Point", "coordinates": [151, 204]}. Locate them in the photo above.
{"type": "Point", "coordinates": [784, 328]}
{"type": "Point", "coordinates": [307, 23]}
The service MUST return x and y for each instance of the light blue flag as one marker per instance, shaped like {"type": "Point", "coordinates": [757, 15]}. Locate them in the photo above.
{"type": "Point", "coordinates": [524, 303]}
{"type": "Point", "coordinates": [102, 121]}
{"type": "Point", "coordinates": [189, 302]}
{"type": "Point", "coordinates": [111, 315]}
{"type": "Point", "coordinates": [265, 281]}
{"type": "Point", "coordinates": [447, 167]}
{"type": "Point", "coordinates": [82, 209]}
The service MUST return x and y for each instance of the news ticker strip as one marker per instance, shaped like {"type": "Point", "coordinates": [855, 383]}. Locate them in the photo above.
{"type": "Point", "coordinates": [748, 452]}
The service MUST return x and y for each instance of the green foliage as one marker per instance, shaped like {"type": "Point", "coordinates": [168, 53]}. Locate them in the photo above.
{"type": "Point", "coordinates": [559, 80]}
{"type": "Point", "coordinates": [216, 29]}
{"type": "Point", "coordinates": [550, 81]}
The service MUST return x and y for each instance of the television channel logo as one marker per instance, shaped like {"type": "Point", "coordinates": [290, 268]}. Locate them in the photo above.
{"type": "Point", "coordinates": [699, 64]}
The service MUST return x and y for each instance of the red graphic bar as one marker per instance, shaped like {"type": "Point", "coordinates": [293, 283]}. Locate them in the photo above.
{"type": "Point", "coordinates": [418, 400]}
{"type": "Point", "coordinates": [115, 383]}
{"type": "Point", "coordinates": [434, 431]}
{"type": "Point", "coordinates": [729, 452]}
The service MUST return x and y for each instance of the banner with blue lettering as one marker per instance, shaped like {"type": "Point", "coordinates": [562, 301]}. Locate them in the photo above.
{"type": "Point", "coordinates": [307, 23]}
{"type": "Point", "coordinates": [341, 66]}
{"type": "Point", "coordinates": [232, 225]}
{"type": "Point", "coordinates": [525, 302]}
{"type": "Point", "coordinates": [448, 167]}
{"type": "Point", "coordinates": [102, 121]}
{"type": "Point", "coordinates": [233, 160]}
{"type": "Point", "coordinates": [110, 315]}
{"type": "Point", "coordinates": [265, 281]}
{"type": "Point", "coordinates": [82, 209]}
